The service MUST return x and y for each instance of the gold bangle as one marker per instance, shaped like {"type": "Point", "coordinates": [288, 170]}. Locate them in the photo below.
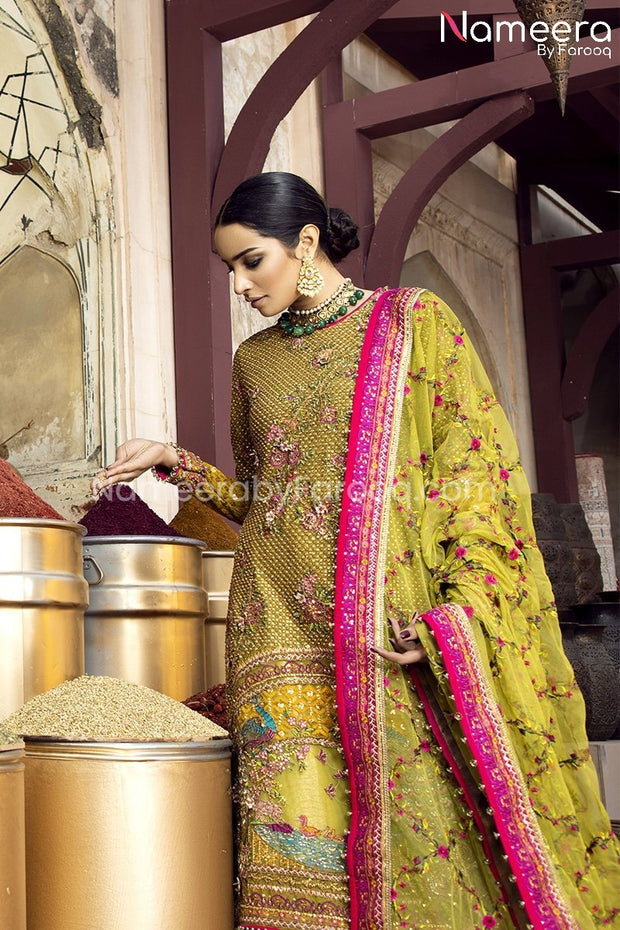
{"type": "Point", "coordinates": [164, 474]}
{"type": "Point", "coordinates": [180, 455]}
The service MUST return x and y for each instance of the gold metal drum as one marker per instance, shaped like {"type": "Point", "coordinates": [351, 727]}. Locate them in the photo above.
{"type": "Point", "coordinates": [12, 847]}
{"type": "Point", "coordinates": [128, 836]}
{"type": "Point", "coordinates": [216, 575]}
{"type": "Point", "coordinates": [43, 595]}
{"type": "Point", "coordinates": [145, 622]}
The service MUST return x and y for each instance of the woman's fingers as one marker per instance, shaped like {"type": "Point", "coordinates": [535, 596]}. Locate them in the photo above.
{"type": "Point", "coordinates": [106, 478]}
{"type": "Point", "coordinates": [416, 654]}
{"type": "Point", "coordinates": [407, 646]}
{"type": "Point", "coordinates": [134, 455]}
{"type": "Point", "coordinates": [133, 458]}
{"type": "Point", "coordinates": [405, 638]}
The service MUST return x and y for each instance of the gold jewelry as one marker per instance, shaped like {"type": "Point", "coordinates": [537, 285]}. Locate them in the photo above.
{"type": "Point", "coordinates": [158, 471]}
{"type": "Point", "coordinates": [310, 280]}
{"type": "Point", "coordinates": [345, 286]}
{"type": "Point", "coordinates": [330, 310]}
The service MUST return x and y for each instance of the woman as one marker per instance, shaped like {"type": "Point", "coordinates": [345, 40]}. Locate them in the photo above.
{"type": "Point", "coordinates": [410, 741]}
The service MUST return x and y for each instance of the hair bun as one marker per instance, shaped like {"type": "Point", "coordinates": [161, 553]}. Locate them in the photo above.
{"type": "Point", "coordinates": [342, 235]}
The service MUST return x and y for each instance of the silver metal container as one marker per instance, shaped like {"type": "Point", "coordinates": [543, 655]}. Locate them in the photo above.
{"type": "Point", "coordinates": [43, 596]}
{"type": "Point", "coordinates": [13, 845]}
{"type": "Point", "coordinates": [145, 621]}
{"type": "Point", "coordinates": [125, 836]}
{"type": "Point", "coordinates": [216, 576]}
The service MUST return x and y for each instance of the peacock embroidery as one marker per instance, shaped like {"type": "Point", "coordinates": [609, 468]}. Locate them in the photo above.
{"type": "Point", "coordinates": [258, 730]}
{"type": "Point", "coordinates": [316, 849]}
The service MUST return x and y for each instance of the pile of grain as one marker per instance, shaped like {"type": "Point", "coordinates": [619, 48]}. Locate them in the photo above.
{"type": "Point", "coordinates": [7, 738]}
{"type": "Point", "coordinates": [19, 500]}
{"type": "Point", "coordinates": [98, 708]}
{"type": "Point", "coordinates": [121, 512]}
{"type": "Point", "coordinates": [199, 521]}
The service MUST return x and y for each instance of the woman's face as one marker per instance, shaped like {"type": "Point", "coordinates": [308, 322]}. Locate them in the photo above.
{"type": "Point", "coordinates": [264, 271]}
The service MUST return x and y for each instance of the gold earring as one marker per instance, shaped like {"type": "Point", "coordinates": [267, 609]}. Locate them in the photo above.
{"type": "Point", "coordinates": [310, 280]}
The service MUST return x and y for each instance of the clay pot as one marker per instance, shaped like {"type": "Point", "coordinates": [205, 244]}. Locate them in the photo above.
{"type": "Point", "coordinates": [574, 656]}
{"type": "Point", "coordinates": [596, 675]}
{"type": "Point", "coordinates": [555, 548]}
{"type": "Point", "coordinates": [606, 615]}
{"type": "Point", "coordinates": [585, 555]}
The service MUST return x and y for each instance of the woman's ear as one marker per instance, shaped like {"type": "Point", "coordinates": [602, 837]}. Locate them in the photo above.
{"type": "Point", "coordinates": [308, 241]}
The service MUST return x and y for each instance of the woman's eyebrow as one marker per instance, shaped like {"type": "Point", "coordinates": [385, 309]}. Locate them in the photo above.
{"type": "Point", "coordinates": [252, 248]}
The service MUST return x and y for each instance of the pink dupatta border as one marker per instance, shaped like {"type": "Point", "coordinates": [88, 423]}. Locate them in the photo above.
{"type": "Point", "coordinates": [356, 571]}
{"type": "Point", "coordinates": [356, 581]}
{"type": "Point", "coordinates": [489, 743]}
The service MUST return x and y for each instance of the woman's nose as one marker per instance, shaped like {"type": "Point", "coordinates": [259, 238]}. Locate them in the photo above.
{"type": "Point", "coordinates": [240, 283]}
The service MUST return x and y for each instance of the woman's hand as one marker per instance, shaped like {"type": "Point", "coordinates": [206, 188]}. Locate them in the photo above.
{"type": "Point", "coordinates": [408, 648]}
{"type": "Point", "coordinates": [133, 458]}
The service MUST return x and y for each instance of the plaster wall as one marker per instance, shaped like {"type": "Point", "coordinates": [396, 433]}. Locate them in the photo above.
{"type": "Point", "coordinates": [98, 209]}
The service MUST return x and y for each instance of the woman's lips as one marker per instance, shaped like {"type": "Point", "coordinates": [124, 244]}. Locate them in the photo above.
{"type": "Point", "coordinates": [256, 300]}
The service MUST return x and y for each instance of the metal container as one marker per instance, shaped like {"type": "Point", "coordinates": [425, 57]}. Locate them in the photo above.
{"type": "Point", "coordinates": [216, 576]}
{"type": "Point", "coordinates": [125, 836]}
{"type": "Point", "coordinates": [43, 595]}
{"type": "Point", "coordinates": [145, 622]}
{"type": "Point", "coordinates": [13, 845]}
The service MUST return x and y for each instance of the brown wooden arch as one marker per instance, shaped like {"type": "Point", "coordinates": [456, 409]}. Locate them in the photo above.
{"type": "Point", "coordinates": [284, 81]}
{"type": "Point", "coordinates": [405, 204]}
{"type": "Point", "coordinates": [195, 31]}
{"type": "Point", "coordinates": [592, 338]}
{"type": "Point", "coordinates": [553, 434]}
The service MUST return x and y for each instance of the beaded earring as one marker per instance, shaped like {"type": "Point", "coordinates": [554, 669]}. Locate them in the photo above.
{"type": "Point", "coordinates": [310, 280]}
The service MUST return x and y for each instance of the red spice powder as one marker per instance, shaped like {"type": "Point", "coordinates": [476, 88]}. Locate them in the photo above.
{"type": "Point", "coordinates": [17, 499]}
{"type": "Point", "coordinates": [121, 512]}
{"type": "Point", "coordinates": [211, 704]}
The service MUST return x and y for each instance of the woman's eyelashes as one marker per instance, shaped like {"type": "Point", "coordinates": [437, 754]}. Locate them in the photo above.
{"type": "Point", "coordinates": [249, 264]}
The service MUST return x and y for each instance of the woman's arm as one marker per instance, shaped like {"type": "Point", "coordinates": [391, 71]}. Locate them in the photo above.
{"type": "Point", "coordinates": [230, 497]}
{"type": "Point", "coordinates": [183, 468]}
{"type": "Point", "coordinates": [180, 467]}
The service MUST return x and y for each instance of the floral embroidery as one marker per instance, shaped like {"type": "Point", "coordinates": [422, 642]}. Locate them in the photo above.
{"type": "Point", "coordinates": [277, 505]}
{"type": "Point", "coordinates": [322, 358]}
{"type": "Point", "coordinates": [329, 414]}
{"type": "Point", "coordinates": [252, 613]}
{"type": "Point", "coordinates": [316, 606]}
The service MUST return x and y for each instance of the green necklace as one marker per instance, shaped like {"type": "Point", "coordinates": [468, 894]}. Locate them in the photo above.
{"type": "Point", "coordinates": [336, 306]}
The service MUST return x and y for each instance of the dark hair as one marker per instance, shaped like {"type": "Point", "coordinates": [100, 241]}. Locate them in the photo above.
{"type": "Point", "coordinates": [279, 205]}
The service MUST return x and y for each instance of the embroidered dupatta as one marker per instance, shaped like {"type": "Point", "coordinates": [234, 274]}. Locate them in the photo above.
{"type": "Point", "coordinates": [436, 519]}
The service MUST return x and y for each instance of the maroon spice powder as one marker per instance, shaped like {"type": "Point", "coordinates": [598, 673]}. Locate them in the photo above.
{"type": "Point", "coordinates": [121, 512]}
{"type": "Point", "coordinates": [211, 704]}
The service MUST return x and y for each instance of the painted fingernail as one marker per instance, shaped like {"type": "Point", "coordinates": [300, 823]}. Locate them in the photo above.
{"type": "Point", "coordinates": [405, 634]}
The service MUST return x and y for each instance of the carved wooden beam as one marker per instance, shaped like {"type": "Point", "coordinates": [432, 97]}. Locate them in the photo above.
{"type": "Point", "coordinates": [592, 338]}
{"type": "Point", "coordinates": [451, 150]}
{"type": "Point", "coordinates": [283, 83]}
{"type": "Point", "coordinates": [553, 435]}
{"type": "Point", "coordinates": [229, 19]}
{"type": "Point", "coordinates": [449, 96]}
{"type": "Point", "coordinates": [422, 9]}
{"type": "Point", "coordinates": [542, 310]}
{"type": "Point", "coordinates": [580, 251]}
{"type": "Point", "coordinates": [347, 161]}
{"type": "Point", "coordinates": [202, 339]}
